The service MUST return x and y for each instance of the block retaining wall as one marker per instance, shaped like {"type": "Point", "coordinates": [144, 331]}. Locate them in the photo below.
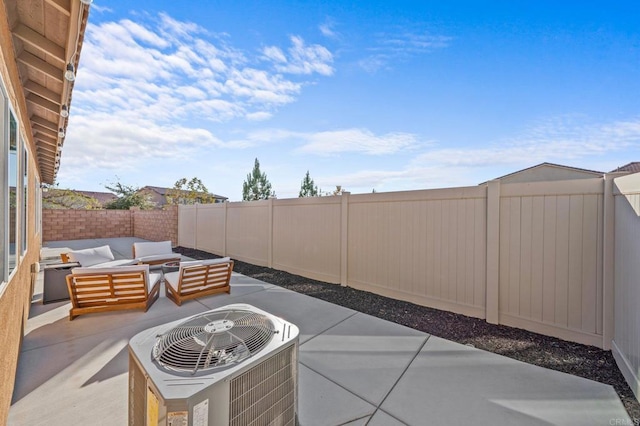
{"type": "Point", "coordinates": [153, 225]}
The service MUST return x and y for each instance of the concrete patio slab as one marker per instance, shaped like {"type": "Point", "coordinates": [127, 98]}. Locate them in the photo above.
{"type": "Point", "coordinates": [489, 387]}
{"type": "Point", "coordinates": [360, 422]}
{"type": "Point", "coordinates": [380, 418]}
{"type": "Point", "coordinates": [354, 369]}
{"type": "Point", "coordinates": [364, 354]}
{"type": "Point", "coordinates": [49, 324]}
{"type": "Point", "coordinates": [328, 403]}
{"type": "Point", "coordinates": [312, 316]}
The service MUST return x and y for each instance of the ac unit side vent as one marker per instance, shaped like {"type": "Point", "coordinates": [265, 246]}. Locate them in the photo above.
{"type": "Point", "coordinates": [137, 393]}
{"type": "Point", "coordinates": [265, 395]}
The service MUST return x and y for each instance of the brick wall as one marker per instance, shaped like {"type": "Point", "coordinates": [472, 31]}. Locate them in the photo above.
{"type": "Point", "coordinates": [156, 225]}
{"type": "Point", "coordinates": [153, 225]}
{"type": "Point", "coordinates": [60, 224]}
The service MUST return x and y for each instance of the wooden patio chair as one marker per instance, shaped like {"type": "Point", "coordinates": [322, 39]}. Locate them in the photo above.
{"type": "Point", "coordinates": [111, 289]}
{"type": "Point", "coordinates": [199, 278]}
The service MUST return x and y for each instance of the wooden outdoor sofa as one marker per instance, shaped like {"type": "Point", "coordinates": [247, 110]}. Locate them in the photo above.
{"type": "Point", "coordinates": [110, 289]}
{"type": "Point", "coordinates": [198, 278]}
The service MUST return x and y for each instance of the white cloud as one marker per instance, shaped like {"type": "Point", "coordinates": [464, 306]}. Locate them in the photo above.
{"type": "Point", "coordinates": [259, 116]}
{"type": "Point", "coordinates": [103, 141]}
{"type": "Point", "coordinates": [413, 43]}
{"type": "Point", "coordinates": [569, 140]}
{"type": "Point", "coordinates": [402, 45]}
{"type": "Point", "coordinates": [100, 9]}
{"type": "Point", "coordinates": [275, 54]}
{"type": "Point", "coordinates": [301, 59]}
{"type": "Point", "coordinates": [356, 140]}
{"type": "Point", "coordinates": [327, 30]}
{"type": "Point", "coordinates": [141, 33]}
{"type": "Point", "coordinates": [332, 142]}
{"type": "Point", "coordinates": [152, 85]}
{"type": "Point", "coordinates": [555, 140]}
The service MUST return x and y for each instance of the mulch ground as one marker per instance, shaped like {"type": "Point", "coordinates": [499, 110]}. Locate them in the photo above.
{"type": "Point", "coordinates": [549, 352]}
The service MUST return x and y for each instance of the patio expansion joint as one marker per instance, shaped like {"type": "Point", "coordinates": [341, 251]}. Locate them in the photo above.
{"type": "Point", "coordinates": [397, 381]}
{"type": "Point", "coordinates": [345, 389]}
{"type": "Point", "coordinates": [329, 328]}
{"type": "Point", "coordinates": [353, 420]}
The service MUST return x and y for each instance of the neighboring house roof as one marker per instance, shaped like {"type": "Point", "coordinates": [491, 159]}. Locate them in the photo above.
{"type": "Point", "coordinates": [102, 197]}
{"type": "Point", "coordinates": [548, 172]}
{"type": "Point", "coordinates": [633, 167]}
{"type": "Point", "coordinates": [163, 191]}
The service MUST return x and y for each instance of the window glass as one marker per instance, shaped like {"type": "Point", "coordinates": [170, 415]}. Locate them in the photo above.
{"type": "Point", "coordinates": [13, 190]}
{"type": "Point", "coordinates": [25, 197]}
{"type": "Point", "coordinates": [38, 205]}
{"type": "Point", "coordinates": [4, 142]}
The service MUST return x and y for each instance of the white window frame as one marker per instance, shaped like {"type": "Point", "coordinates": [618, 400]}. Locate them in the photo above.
{"type": "Point", "coordinates": [24, 198]}
{"type": "Point", "coordinates": [4, 196]}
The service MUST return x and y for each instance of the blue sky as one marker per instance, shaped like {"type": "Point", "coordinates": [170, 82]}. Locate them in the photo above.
{"type": "Point", "coordinates": [369, 95]}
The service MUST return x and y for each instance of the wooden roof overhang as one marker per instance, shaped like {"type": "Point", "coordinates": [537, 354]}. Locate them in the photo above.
{"type": "Point", "coordinates": [46, 36]}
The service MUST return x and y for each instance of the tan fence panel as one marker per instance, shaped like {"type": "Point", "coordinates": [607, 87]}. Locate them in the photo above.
{"type": "Point", "coordinates": [249, 231]}
{"type": "Point", "coordinates": [551, 258]}
{"type": "Point", "coordinates": [187, 226]}
{"type": "Point", "coordinates": [546, 270]}
{"type": "Point", "coordinates": [306, 237]}
{"type": "Point", "coordinates": [210, 224]}
{"type": "Point", "coordinates": [626, 342]}
{"type": "Point", "coordinates": [427, 247]}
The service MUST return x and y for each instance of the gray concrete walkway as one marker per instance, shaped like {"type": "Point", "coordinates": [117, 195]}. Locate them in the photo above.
{"type": "Point", "coordinates": [354, 369]}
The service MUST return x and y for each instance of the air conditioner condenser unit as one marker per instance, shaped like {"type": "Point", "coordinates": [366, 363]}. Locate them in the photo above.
{"type": "Point", "coordinates": [235, 365]}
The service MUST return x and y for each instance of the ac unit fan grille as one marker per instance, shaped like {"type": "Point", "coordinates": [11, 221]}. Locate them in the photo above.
{"type": "Point", "coordinates": [214, 339]}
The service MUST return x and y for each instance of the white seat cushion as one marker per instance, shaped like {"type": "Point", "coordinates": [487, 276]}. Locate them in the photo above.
{"type": "Point", "coordinates": [111, 270]}
{"type": "Point", "coordinates": [151, 258]}
{"type": "Point", "coordinates": [153, 279]}
{"type": "Point", "coordinates": [91, 256]}
{"type": "Point", "coordinates": [115, 263]}
{"type": "Point", "coordinates": [152, 248]}
{"type": "Point", "coordinates": [172, 278]}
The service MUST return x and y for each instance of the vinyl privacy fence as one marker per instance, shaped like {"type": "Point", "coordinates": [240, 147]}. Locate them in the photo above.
{"type": "Point", "coordinates": [626, 342]}
{"type": "Point", "coordinates": [530, 255]}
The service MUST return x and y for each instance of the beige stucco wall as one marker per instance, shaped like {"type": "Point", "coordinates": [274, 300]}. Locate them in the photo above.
{"type": "Point", "coordinates": [15, 295]}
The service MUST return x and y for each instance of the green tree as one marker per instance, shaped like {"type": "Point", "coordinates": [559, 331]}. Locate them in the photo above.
{"type": "Point", "coordinates": [55, 198]}
{"type": "Point", "coordinates": [257, 186]}
{"type": "Point", "coordinates": [189, 192]}
{"type": "Point", "coordinates": [128, 196]}
{"type": "Point", "coordinates": [338, 191]}
{"type": "Point", "coordinates": [308, 188]}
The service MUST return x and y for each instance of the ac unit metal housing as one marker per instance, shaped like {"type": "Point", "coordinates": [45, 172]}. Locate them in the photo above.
{"type": "Point", "coordinates": [233, 383]}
